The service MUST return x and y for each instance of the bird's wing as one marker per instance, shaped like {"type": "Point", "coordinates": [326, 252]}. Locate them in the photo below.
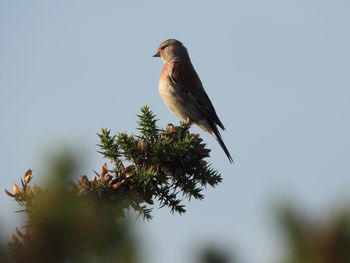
{"type": "Point", "coordinates": [184, 75]}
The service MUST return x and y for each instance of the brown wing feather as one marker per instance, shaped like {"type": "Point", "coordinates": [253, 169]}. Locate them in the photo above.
{"type": "Point", "coordinates": [184, 74]}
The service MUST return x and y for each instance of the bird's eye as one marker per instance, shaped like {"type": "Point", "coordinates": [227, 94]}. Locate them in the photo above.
{"type": "Point", "coordinates": [162, 47]}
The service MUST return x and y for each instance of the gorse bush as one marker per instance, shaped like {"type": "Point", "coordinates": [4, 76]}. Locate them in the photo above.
{"type": "Point", "coordinates": [84, 220]}
{"type": "Point", "coordinates": [159, 164]}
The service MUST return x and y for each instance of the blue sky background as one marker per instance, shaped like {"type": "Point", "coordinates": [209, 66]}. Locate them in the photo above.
{"type": "Point", "coordinates": [276, 71]}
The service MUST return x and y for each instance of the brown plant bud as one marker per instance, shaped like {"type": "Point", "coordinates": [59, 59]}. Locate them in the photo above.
{"type": "Point", "coordinates": [104, 171]}
{"type": "Point", "coordinates": [84, 182]}
{"type": "Point", "coordinates": [16, 190]}
{"type": "Point", "coordinates": [28, 176]}
{"type": "Point", "coordinates": [129, 171]}
{"type": "Point", "coordinates": [94, 181]}
{"type": "Point", "coordinates": [142, 146]}
{"type": "Point", "coordinates": [170, 129]}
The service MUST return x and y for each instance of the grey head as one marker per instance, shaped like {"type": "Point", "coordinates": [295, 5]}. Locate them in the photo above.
{"type": "Point", "coordinates": [172, 50]}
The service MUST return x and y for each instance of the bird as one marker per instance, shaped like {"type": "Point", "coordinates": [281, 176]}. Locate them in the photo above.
{"type": "Point", "coordinates": [183, 93]}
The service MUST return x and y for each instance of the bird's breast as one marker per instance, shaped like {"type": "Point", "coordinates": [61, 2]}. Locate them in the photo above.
{"type": "Point", "coordinates": [166, 90]}
{"type": "Point", "coordinates": [170, 94]}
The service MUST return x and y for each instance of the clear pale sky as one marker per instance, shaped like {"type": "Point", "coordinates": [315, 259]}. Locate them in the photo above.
{"type": "Point", "coordinates": [277, 73]}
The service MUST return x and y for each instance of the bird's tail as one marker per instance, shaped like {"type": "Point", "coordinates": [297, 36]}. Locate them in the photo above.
{"type": "Point", "coordinates": [215, 132]}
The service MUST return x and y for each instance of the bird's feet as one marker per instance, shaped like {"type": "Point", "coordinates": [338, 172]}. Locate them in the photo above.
{"type": "Point", "coordinates": [187, 123]}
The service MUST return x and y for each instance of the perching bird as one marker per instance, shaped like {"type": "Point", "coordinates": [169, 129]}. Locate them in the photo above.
{"type": "Point", "coordinates": [183, 92]}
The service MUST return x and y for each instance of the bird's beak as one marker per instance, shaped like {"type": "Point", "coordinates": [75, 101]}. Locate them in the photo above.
{"type": "Point", "coordinates": [157, 55]}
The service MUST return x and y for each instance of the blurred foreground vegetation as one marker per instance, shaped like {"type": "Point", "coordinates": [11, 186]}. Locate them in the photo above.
{"type": "Point", "coordinates": [88, 220]}
{"type": "Point", "coordinates": [322, 240]}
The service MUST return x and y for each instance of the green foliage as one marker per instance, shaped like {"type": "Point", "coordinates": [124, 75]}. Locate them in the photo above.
{"type": "Point", "coordinates": [148, 124]}
{"type": "Point", "coordinates": [159, 164]}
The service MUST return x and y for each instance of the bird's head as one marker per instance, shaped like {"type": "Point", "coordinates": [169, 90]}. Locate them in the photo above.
{"type": "Point", "coordinates": [172, 50]}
